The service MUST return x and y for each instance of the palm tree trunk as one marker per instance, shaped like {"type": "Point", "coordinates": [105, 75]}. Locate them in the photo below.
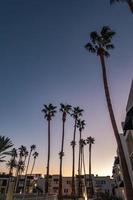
{"type": "Point", "coordinates": [61, 156]}
{"type": "Point", "coordinates": [48, 161]}
{"type": "Point", "coordinates": [130, 4]}
{"type": "Point", "coordinates": [32, 167]}
{"type": "Point", "coordinates": [73, 161]}
{"type": "Point", "coordinates": [90, 177]}
{"type": "Point", "coordinates": [25, 180]}
{"type": "Point", "coordinates": [89, 159]}
{"type": "Point", "coordinates": [84, 170]}
{"type": "Point", "coordinates": [126, 176]}
{"type": "Point", "coordinates": [79, 166]}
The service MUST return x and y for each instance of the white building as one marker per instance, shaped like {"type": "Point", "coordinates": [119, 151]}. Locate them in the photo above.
{"type": "Point", "coordinates": [102, 184]}
{"type": "Point", "coordinates": [127, 143]}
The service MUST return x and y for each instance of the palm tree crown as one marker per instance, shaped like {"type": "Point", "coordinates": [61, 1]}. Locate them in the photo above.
{"type": "Point", "coordinates": [5, 144]}
{"type": "Point", "coordinates": [35, 154]}
{"type": "Point", "coordinates": [65, 109]}
{"type": "Point", "coordinates": [90, 140]}
{"type": "Point", "coordinates": [101, 42]}
{"type": "Point", "coordinates": [49, 111]}
{"type": "Point", "coordinates": [80, 124]}
{"type": "Point", "coordinates": [32, 147]}
{"type": "Point", "coordinates": [76, 112]}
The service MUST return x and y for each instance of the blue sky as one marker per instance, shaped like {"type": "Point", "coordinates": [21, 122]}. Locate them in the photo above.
{"type": "Point", "coordinates": [43, 60]}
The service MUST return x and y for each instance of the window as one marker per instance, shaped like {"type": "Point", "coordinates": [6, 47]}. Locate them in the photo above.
{"type": "Point", "coordinates": [103, 182]}
{"type": "Point", "coordinates": [68, 182]}
{"type": "Point", "coordinates": [65, 190]}
{"type": "Point", "coordinates": [56, 180]}
{"type": "Point", "coordinates": [4, 182]}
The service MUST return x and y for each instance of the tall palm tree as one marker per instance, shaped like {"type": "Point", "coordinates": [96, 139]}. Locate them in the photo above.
{"type": "Point", "coordinates": [100, 44]}
{"type": "Point", "coordinates": [80, 126]}
{"type": "Point", "coordinates": [65, 109]}
{"type": "Point", "coordinates": [90, 140]}
{"type": "Point", "coordinates": [5, 144]}
{"type": "Point", "coordinates": [49, 112]}
{"type": "Point", "coordinates": [22, 149]}
{"type": "Point", "coordinates": [129, 3]}
{"type": "Point", "coordinates": [32, 148]}
{"type": "Point", "coordinates": [76, 114]}
{"type": "Point", "coordinates": [35, 155]}
{"type": "Point", "coordinates": [25, 156]}
{"type": "Point", "coordinates": [12, 163]}
{"type": "Point", "coordinates": [82, 143]}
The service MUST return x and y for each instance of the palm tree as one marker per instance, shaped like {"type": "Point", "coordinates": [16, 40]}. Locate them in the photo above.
{"type": "Point", "coordinates": [80, 126]}
{"type": "Point", "coordinates": [20, 166]}
{"type": "Point", "coordinates": [65, 109]}
{"type": "Point", "coordinates": [82, 143]}
{"type": "Point", "coordinates": [129, 2]}
{"type": "Point", "coordinates": [25, 156]}
{"type": "Point", "coordinates": [12, 163]}
{"type": "Point", "coordinates": [49, 112]}
{"type": "Point", "coordinates": [32, 148]}
{"type": "Point", "coordinates": [5, 144]}
{"type": "Point", "coordinates": [100, 44]}
{"type": "Point", "coordinates": [76, 113]}
{"type": "Point", "coordinates": [90, 140]}
{"type": "Point", "coordinates": [35, 155]}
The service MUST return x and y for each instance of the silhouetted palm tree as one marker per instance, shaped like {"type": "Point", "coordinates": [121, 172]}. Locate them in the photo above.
{"type": "Point", "coordinates": [20, 165]}
{"type": "Point", "coordinates": [100, 44]}
{"type": "Point", "coordinates": [25, 156]}
{"type": "Point", "coordinates": [12, 163]}
{"type": "Point", "coordinates": [80, 126]}
{"type": "Point", "coordinates": [76, 113]}
{"type": "Point", "coordinates": [35, 155]}
{"type": "Point", "coordinates": [90, 140]}
{"type": "Point", "coordinates": [82, 143]}
{"type": "Point", "coordinates": [32, 148]}
{"type": "Point", "coordinates": [5, 144]}
{"type": "Point", "coordinates": [129, 2]}
{"type": "Point", "coordinates": [65, 109]}
{"type": "Point", "coordinates": [49, 112]}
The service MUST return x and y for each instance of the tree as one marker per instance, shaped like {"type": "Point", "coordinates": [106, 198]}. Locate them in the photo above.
{"type": "Point", "coordinates": [82, 143]}
{"type": "Point", "coordinates": [129, 2]}
{"type": "Point", "coordinates": [65, 109]}
{"type": "Point", "coordinates": [5, 144]}
{"type": "Point", "coordinates": [80, 126]}
{"type": "Point", "coordinates": [49, 112]}
{"type": "Point", "coordinates": [12, 163]}
{"type": "Point", "coordinates": [35, 155]}
{"type": "Point", "coordinates": [25, 156]}
{"type": "Point", "coordinates": [76, 113]}
{"type": "Point", "coordinates": [32, 148]}
{"type": "Point", "coordinates": [20, 165]}
{"type": "Point", "coordinates": [90, 140]}
{"type": "Point", "coordinates": [100, 44]}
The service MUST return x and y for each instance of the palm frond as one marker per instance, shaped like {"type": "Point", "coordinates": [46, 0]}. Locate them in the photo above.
{"type": "Point", "coordinates": [90, 48]}
{"type": "Point", "coordinates": [109, 46]}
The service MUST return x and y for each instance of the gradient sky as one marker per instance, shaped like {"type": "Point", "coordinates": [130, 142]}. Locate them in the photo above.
{"type": "Point", "coordinates": [43, 60]}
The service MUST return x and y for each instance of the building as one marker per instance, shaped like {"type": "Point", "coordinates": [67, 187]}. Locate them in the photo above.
{"type": "Point", "coordinates": [128, 134]}
{"type": "Point", "coordinates": [127, 144]}
{"type": "Point", "coordinates": [101, 184]}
